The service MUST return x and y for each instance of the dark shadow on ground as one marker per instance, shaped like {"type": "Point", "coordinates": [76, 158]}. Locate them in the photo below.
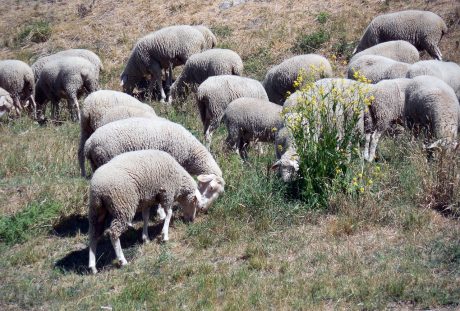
{"type": "Point", "coordinates": [77, 261]}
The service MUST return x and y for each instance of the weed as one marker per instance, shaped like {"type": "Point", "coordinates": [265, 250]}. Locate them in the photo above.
{"type": "Point", "coordinates": [26, 223]}
{"type": "Point", "coordinates": [309, 43]}
{"type": "Point", "coordinates": [38, 31]}
{"type": "Point", "coordinates": [322, 17]}
{"type": "Point", "coordinates": [223, 31]}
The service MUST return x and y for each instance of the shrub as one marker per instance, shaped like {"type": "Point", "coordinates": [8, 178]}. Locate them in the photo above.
{"type": "Point", "coordinates": [38, 31]}
{"type": "Point", "coordinates": [309, 43]}
{"type": "Point", "coordinates": [324, 125]}
{"type": "Point", "coordinates": [322, 17]}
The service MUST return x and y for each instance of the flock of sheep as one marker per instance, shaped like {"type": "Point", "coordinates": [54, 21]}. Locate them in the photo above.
{"type": "Point", "coordinates": [139, 159]}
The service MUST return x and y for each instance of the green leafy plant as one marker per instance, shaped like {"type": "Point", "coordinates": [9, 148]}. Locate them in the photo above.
{"type": "Point", "coordinates": [322, 17]}
{"type": "Point", "coordinates": [325, 129]}
{"type": "Point", "coordinates": [308, 43]}
{"type": "Point", "coordinates": [37, 31]}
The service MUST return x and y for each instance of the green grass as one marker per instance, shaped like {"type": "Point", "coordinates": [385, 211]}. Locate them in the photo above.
{"type": "Point", "coordinates": [36, 32]}
{"type": "Point", "coordinates": [311, 42]}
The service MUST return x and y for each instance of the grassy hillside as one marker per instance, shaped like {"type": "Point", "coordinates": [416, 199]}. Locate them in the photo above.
{"type": "Point", "coordinates": [396, 246]}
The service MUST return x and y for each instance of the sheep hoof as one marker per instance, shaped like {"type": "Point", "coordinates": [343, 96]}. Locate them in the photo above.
{"type": "Point", "coordinates": [93, 270]}
{"type": "Point", "coordinates": [145, 240]}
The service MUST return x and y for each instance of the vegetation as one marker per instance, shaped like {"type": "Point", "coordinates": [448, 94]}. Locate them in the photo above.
{"type": "Point", "coordinates": [38, 31]}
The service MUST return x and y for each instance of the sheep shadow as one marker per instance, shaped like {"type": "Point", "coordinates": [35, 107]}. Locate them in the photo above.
{"type": "Point", "coordinates": [71, 226]}
{"type": "Point", "coordinates": [77, 261]}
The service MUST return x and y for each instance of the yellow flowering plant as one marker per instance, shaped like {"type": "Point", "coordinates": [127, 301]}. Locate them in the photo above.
{"type": "Point", "coordinates": [326, 124]}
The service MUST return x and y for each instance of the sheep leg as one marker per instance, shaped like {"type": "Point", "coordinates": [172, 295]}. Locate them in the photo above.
{"type": "Point", "coordinates": [165, 230]}
{"type": "Point", "coordinates": [373, 145]}
{"type": "Point", "coordinates": [55, 109]}
{"type": "Point", "coordinates": [242, 147]}
{"type": "Point", "coordinates": [118, 251]}
{"type": "Point", "coordinates": [366, 146]}
{"type": "Point", "coordinates": [213, 125]}
{"type": "Point", "coordinates": [74, 103]}
{"type": "Point", "coordinates": [161, 212]}
{"type": "Point", "coordinates": [17, 105]}
{"type": "Point", "coordinates": [34, 106]}
{"type": "Point", "coordinates": [145, 229]}
{"type": "Point", "coordinates": [116, 228]}
{"type": "Point", "coordinates": [96, 227]}
{"type": "Point", "coordinates": [434, 51]}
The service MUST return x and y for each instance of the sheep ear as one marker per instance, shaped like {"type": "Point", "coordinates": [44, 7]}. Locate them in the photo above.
{"type": "Point", "coordinates": [123, 80]}
{"type": "Point", "coordinates": [276, 165]}
{"type": "Point", "coordinates": [205, 178]}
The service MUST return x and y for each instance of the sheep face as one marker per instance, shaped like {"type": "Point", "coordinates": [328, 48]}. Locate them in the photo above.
{"type": "Point", "coordinates": [287, 168]}
{"type": "Point", "coordinates": [190, 204]}
{"type": "Point", "coordinates": [210, 187]}
{"type": "Point", "coordinates": [6, 104]}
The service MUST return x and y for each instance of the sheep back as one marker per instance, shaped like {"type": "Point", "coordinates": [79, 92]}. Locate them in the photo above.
{"type": "Point", "coordinates": [398, 50]}
{"type": "Point", "coordinates": [377, 68]}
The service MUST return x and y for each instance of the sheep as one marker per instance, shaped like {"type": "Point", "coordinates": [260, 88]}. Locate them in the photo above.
{"type": "Point", "coordinates": [431, 104]}
{"type": "Point", "coordinates": [67, 77]}
{"type": "Point", "coordinates": [377, 68]}
{"type": "Point", "coordinates": [398, 50]}
{"type": "Point", "coordinates": [211, 40]}
{"type": "Point", "coordinates": [423, 29]}
{"type": "Point", "coordinates": [251, 119]}
{"type": "Point", "coordinates": [86, 54]}
{"type": "Point", "coordinates": [132, 181]}
{"type": "Point", "coordinates": [215, 93]}
{"type": "Point", "coordinates": [162, 49]}
{"type": "Point", "coordinates": [200, 66]}
{"type": "Point", "coordinates": [280, 79]}
{"type": "Point", "coordinates": [287, 162]}
{"type": "Point", "coordinates": [17, 78]}
{"type": "Point", "coordinates": [449, 72]}
{"type": "Point", "coordinates": [6, 102]}
{"type": "Point", "coordinates": [103, 107]}
{"type": "Point", "coordinates": [387, 108]}
{"type": "Point", "coordinates": [139, 133]}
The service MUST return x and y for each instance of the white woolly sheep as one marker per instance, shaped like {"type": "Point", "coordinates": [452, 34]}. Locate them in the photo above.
{"type": "Point", "coordinates": [162, 49]}
{"type": "Point", "coordinates": [398, 50]}
{"type": "Point", "coordinates": [17, 78]}
{"type": "Point", "coordinates": [423, 29]}
{"type": "Point", "coordinates": [386, 109]}
{"type": "Point", "coordinates": [66, 77]}
{"type": "Point", "coordinates": [215, 93]}
{"type": "Point", "coordinates": [251, 119]}
{"type": "Point", "coordinates": [449, 72]}
{"type": "Point", "coordinates": [280, 79]}
{"type": "Point", "coordinates": [106, 106]}
{"type": "Point", "coordinates": [86, 54]}
{"type": "Point", "coordinates": [211, 40]}
{"type": "Point", "coordinates": [377, 68]}
{"type": "Point", "coordinates": [138, 133]}
{"type": "Point", "coordinates": [6, 102]}
{"type": "Point", "coordinates": [287, 162]}
{"type": "Point", "coordinates": [134, 181]}
{"type": "Point", "coordinates": [432, 105]}
{"type": "Point", "coordinates": [200, 66]}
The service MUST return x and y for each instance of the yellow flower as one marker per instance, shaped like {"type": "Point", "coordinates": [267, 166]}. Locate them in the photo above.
{"type": "Point", "coordinates": [361, 189]}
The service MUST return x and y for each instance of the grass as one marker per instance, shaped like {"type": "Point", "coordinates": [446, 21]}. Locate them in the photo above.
{"type": "Point", "coordinates": [36, 32]}
{"type": "Point", "coordinates": [311, 42]}
{"type": "Point", "coordinates": [257, 248]}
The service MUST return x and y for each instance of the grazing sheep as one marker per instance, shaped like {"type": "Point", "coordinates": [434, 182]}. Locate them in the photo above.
{"type": "Point", "coordinates": [132, 134]}
{"type": "Point", "coordinates": [280, 79]}
{"type": "Point", "coordinates": [215, 93]}
{"type": "Point", "coordinates": [377, 68]}
{"type": "Point", "coordinates": [386, 109]}
{"type": "Point", "coordinates": [211, 40]}
{"type": "Point", "coordinates": [66, 77]}
{"type": "Point", "coordinates": [17, 78]}
{"type": "Point", "coordinates": [136, 180]}
{"type": "Point", "coordinates": [200, 66]}
{"type": "Point", "coordinates": [162, 49]}
{"type": "Point", "coordinates": [6, 102]}
{"type": "Point", "coordinates": [106, 106]}
{"type": "Point", "coordinates": [86, 54]}
{"type": "Point", "coordinates": [423, 29]}
{"type": "Point", "coordinates": [398, 50]}
{"type": "Point", "coordinates": [251, 119]}
{"type": "Point", "coordinates": [448, 72]}
{"type": "Point", "coordinates": [287, 162]}
{"type": "Point", "coordinates": [431, 104]}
